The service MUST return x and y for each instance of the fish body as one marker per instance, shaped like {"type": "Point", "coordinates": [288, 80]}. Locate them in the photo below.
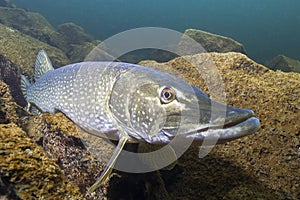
{"type": "Point", "coordinates": [132, 103]}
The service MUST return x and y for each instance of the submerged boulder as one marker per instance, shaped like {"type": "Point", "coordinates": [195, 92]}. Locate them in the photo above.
{"type": "Point", "coordinates": [35, 25]}
{"type": "Point", "coordinates": [209, 43]}
{"type": "Point", "coordinates": [11, 75]}
{"type": "Point", "coordinates": [73, 34]}
{"type": "Point", "coordinates": [284, 63]}
{"type": "Point", "coordinates": [30, 23]}
{"type": "Point", "coordinates": [78, 52]}
{"type": "Point", "coordinates": [22, 50]}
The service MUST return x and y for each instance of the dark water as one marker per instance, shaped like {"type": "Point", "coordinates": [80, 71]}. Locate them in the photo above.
{"type": "Point", "coordinates": [266, 28]}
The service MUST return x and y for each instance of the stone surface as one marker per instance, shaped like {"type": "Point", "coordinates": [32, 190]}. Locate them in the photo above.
{"type": "Point", "coordinates": [8, 108]}
{"type": "Point", "coordinates": [209, 43]}
{"type": "Point", "coordinates": [22, 50]}
{"type": "Point", "coordinates": [73, 34]}
{"type": "Point", "coordinates": [11, 74]}
{"type": "Point", "coordinates": [32, 24]}
{"type": "Point", "coordinates": [35, 25]}
{"type": "Point", "coordinates": [78, 52]}
{"type": "Point", "coordinates": [284, 63]}
{"type": "Point", "coordinates": [25, 170]}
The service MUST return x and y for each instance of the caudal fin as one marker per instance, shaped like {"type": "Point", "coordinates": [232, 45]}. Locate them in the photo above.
{"type": "Point", "coordinates": [42, 64]}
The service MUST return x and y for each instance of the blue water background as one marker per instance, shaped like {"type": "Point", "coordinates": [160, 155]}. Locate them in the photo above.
{"type": "Point", "coordinates": [265, 27]}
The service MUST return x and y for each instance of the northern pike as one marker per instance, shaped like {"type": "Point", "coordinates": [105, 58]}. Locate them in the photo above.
{"type": "Point", "coordinates": [131, 103]}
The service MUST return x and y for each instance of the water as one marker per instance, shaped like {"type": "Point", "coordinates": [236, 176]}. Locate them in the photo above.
{"type": "Point", "coordinates": [266, 28]}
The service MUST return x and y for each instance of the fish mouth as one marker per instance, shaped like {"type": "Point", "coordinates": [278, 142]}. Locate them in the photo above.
{"type": "Point", "coordinates": [226, 133]}
{"type": "Point", "coordinates": [235, 124]}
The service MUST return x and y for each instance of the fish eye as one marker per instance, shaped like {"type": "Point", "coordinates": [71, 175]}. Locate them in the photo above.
{"type": "Point", "coordinates": [167, 95]}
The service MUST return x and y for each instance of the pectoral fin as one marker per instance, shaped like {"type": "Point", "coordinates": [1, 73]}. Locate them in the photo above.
{"type": "Point", "coordinates": [109, 167]}
{"type": "Point", "coordinates": [160, 156]}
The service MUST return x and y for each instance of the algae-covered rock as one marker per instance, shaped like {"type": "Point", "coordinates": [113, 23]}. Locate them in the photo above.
{"type": "Point", "coordinates": [32, 24]}
{"type": "Point", "coordinates": [8, 108]}
{"type": "Point", "coordinates": [73, 34]}
{"type": "Point", "coordinates": [27, 169]}
{"type": "Point", "coordinates": [284, 63]}
{"type": "Point", "coordinates": [36, 26]}
{"type": "Point", "coordinates": [210, 42]}
{"type": "Point", "coordinates": [82, 157]}
{"type": "Point", "coordinates": [62, 142]}
{"type": "Point", "coordinates": [78, 52]}
{"type": "Point", "coordinates": [10, 74]}
{"type": "Point", "coordinates": [22, 50]}
{"type": "Point", "coordinates": [265, 165]}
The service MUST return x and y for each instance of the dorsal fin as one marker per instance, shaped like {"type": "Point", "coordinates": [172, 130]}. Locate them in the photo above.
{"type": "Point", "coordinates": [42, 64]}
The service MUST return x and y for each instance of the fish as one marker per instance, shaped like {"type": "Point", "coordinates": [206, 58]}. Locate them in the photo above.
{"type": "Point", "coordinates": [129, 103]}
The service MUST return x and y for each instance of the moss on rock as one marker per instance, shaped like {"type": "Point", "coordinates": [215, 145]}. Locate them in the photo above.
{"type": "Point", "coordinates": [8, 108]}
{"type": "Point", "coordinates": [25, 166]}
{"type": "Point", "coordinates": [22, 50]}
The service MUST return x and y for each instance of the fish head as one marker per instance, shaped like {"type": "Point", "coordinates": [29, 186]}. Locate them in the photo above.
{"type": "Point", "coordinates": [156, 107]}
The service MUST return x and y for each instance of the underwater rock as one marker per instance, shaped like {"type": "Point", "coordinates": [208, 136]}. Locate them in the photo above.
{"type": "Point", "coordinates": [82, 157]}
{"type": "Point", "coordinates": [265, 165]}
{"type": "Point", "coordinates": [32, 24]}
{"type": "Point", "coordinates": [25, 170]}
{"type": "Point", "coordinates": [61, 141]}
{"type": "Point", "coordinates": [78, 52]}
{"type": "Point", "coordinates": [8, 108]}
{"type": "Point", "coordinates": [210, 42]}
{"type": "Point", "coordinates": [284, 63]}
{"type": "Point", "coordinates": [10, 74]}
{"type": "Point", "coordinates": [36, 26]}
{"type": "Point", "coordinates": [148, 54]}
{"type": "Point", "coordinates": [73, 34]}
{"type": "Point", "coordinates": [78, 44]}
{"type": "Point", "coordinates": [6, 3]}
{"type": "Point", "coordinates": [22, 49]}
